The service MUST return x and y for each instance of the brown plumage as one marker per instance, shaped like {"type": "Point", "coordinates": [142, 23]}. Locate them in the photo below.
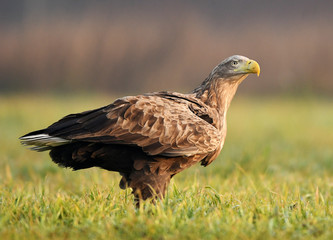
{"type": "Point", "coordinates": [148, 138]}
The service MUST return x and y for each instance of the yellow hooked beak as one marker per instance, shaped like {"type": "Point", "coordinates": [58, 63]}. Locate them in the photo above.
{"type": "Point", "coordinates": [250, 66]}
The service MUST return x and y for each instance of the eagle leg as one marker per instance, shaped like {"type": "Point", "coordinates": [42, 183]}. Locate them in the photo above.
{"type": "Point", "coordinates": [146, 184]}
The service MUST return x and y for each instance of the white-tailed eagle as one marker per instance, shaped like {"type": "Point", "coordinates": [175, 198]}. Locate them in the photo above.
{"type": "Point", "coordinates": [151, 137]}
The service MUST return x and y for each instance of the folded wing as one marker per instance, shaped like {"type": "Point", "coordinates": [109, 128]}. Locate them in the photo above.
{"type": "Point", "coordinates": [161, 124]}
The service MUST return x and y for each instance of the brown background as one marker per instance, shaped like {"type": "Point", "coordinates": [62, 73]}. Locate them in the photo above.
{"type": "Point", "coordinates": [142, 46]}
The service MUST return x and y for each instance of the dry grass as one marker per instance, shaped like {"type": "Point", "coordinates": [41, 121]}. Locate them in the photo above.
{"type": "Point", "coordinates": [154, 53]}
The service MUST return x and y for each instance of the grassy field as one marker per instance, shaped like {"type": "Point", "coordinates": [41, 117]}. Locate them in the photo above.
{"type": "Point", "coordinates": [273, 180]}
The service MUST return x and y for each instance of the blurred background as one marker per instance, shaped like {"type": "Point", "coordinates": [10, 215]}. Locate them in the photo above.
{"type": "Point", "coordinates": [60, 57]}
{"type": "Point", "coordinates": [131, 47]}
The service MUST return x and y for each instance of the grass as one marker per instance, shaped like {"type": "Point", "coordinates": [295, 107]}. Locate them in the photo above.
{"type": "Point", "coordinates": [273, 180]}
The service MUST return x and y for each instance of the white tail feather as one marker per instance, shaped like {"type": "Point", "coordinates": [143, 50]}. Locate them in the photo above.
{"type": "Point", "coordinates": [43, 142]}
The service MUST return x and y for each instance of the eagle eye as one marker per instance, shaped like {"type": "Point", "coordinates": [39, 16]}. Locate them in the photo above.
{"type": "Point", "coordinates": [234, 63]}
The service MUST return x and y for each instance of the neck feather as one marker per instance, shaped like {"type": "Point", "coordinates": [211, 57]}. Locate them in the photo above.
{"type": "Point", "coordinates": [218, 92]}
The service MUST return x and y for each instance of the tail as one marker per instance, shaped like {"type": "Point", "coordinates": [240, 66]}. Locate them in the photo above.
{"type": "Point", "coordinates": [64, 152]}
{"type": "Point", "coordinates": [62, 131]}
{"type": "Point", "coordinates": [41, 141]}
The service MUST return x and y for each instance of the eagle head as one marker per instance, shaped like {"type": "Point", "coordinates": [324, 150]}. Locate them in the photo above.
{"type": "Point", "coordinates": [236, 65]}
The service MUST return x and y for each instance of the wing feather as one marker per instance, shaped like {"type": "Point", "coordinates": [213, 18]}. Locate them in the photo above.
{"type": "Point", "coordinates": [161, 124]}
